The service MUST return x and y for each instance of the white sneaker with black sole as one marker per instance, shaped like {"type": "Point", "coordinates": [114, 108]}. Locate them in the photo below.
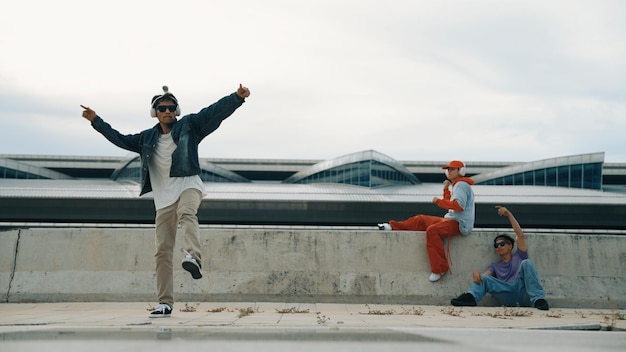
{"type": "Point", "coordinates": [161, 311]}
{"type": "Point", "coordinates": [192, 265]}
{"type": "Point", "coordinates": [384, 226]}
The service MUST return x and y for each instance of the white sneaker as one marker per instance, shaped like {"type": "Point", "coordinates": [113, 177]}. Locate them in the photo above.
{"type": "Point", "coordinates": [161, 311]}
{"type": "Point", "coordinates": [384, 227]}
{"type": "Point", "coordinates": [192, 265]}
{"type": "Point", "coordinates": [434, 277]}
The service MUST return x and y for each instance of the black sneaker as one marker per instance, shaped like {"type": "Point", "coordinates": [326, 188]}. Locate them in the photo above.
{"type": "Point", "coordinates": [161, 311]}
{"type": "Point", "coordinates": [541, 304]}
{"type": "Point", "coordinates": [464, 300]}
{"type": "Point", "coordinates": [192, 265]}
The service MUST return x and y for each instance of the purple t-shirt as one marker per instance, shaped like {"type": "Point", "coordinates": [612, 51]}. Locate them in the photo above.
{"type": "Point", "coordinates": [507, 272]}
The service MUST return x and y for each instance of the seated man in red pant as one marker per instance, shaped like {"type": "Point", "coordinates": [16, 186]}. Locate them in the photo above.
{"type": "Point", "coordinates": [458, 221]}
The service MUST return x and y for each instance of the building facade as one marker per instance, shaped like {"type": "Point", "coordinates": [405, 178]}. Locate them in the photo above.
{"type": "Point", "coordinates": [359, 189]}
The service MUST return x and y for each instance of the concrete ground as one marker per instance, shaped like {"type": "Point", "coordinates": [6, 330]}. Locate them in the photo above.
{"type": "Point", "coordinates": [260, 326]}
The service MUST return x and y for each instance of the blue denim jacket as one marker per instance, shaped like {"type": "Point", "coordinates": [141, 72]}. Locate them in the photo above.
{"type": "Point", "coordinates": [187, 133]}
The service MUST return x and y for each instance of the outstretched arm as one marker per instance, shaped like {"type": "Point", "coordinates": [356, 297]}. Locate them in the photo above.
{"type": "Point", "coordinates": [209, 119]}
{"type": "Point", "coordinates": [128, 142]}
{"type": "Point", "coordinates": [521, 241]}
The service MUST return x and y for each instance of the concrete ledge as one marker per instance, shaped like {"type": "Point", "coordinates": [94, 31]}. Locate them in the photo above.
{"type": "Point", "coordinates": [276, 265]}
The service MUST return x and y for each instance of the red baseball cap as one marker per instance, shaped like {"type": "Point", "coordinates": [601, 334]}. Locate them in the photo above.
{"type": "Point", "coordinates": [457, 164]}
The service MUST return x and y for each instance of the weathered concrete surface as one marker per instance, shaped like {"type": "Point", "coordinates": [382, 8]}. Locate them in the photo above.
{"type": "Point", "coordinates": [278, 265]}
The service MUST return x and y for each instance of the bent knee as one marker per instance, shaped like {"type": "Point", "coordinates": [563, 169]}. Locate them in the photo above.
{"type": "Point", "coordinates": [484, 277]}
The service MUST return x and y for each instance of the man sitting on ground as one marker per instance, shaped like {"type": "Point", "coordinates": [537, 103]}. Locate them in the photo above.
{"type": "Point", "coordinates": [513, 280]}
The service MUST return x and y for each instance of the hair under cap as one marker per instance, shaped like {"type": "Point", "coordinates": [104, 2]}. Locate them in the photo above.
{"type": "Point", "coordinates": [166, 95]}
{"type": "Point", "coordinates": [506, 237]}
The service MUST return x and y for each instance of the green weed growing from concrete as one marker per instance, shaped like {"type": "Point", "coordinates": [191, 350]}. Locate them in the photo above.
{"type": "Point", "coordinates": [246, 311]}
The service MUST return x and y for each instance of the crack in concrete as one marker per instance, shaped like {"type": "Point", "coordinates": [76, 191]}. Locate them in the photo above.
{"type": "Point", "coordinates": [14, 267]}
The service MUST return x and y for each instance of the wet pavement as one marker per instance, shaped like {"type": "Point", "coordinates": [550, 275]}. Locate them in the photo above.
{"type": "Point", "coordinates": [262, 326]}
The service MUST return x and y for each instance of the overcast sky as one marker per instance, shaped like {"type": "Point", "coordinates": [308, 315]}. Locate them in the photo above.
{"type": "Point", "coordinates": [475, 80]}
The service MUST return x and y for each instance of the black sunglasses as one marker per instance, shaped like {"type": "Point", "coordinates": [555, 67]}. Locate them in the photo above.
{"type": "Point", "coordinates": [162, 108]}
{"type": "Point", "coordinates": [500, 244]}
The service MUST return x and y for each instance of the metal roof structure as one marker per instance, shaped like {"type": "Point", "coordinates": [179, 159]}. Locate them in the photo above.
{"type": "Point", "coordinates": [13, 169]}
{"type": "Point", "coordinates": [67, 199]}
{"type": "Point", "coordinates": [306, 204]}
{"type": "Point", "coordinates": [575, 171]}
{"type": "Point", "coordinates": [108, 189]}
{"type": "Point", "coordinates": [368, 168]}
{"type": "Point", "coordinates": [130, 169]}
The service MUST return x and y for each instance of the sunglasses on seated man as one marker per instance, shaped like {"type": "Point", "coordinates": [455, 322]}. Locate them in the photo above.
{"type": "Point", "coordinates": [500, 244]}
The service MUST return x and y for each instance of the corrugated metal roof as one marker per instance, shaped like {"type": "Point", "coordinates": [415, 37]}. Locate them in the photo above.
{"type": "Point", "coordinates": [106, 189]}
{"type": "Point", "coordinates": [17, 188]}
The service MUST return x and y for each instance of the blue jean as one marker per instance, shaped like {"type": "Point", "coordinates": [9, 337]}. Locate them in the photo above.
{"type": "Point", "coordinates": [522, 291]}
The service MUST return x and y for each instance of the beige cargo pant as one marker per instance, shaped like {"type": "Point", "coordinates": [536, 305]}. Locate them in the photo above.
{"type": "Point", "coordinates": [183, 212]}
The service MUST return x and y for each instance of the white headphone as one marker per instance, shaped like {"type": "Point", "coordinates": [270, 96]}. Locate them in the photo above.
{"type": "Point", "coordinates": [462, 170]}
{"type": "Point", "coordinates": [166, 94]}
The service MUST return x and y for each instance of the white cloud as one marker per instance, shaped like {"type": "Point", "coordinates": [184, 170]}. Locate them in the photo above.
{"type": "Point", "coordinates": [489, 80]}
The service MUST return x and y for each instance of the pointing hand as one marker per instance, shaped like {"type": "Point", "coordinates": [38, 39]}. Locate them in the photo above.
{"type": "Point", "coordinates": [243, 92]}
{"type": "Point", "coordinates": [88, 113]}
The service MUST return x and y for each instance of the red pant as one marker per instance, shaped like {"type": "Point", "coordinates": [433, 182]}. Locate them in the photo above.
{"type": "Point", "coordinates": [436, 229]}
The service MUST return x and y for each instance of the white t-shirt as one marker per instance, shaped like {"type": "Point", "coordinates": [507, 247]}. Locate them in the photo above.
{"type": "Point", "coordinates": [165, 189]}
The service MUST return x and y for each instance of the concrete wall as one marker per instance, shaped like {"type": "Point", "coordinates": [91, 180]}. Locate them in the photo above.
{"type": "Point", "coordinates": [94, 264]}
